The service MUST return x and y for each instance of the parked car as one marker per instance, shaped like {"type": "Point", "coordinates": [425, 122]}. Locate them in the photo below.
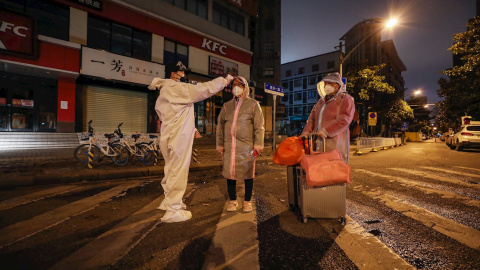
{"type": "Point", "coordinates": [468, 136]}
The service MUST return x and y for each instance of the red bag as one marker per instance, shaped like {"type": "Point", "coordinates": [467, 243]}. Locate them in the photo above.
{"type": "Point", "coordinates": [289, 152]}
{"type": "Point", "coordinates": [324, 169]}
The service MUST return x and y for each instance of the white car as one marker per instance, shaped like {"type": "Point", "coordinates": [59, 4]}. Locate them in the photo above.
{"type": "Point", "coordinates": [469, 135]}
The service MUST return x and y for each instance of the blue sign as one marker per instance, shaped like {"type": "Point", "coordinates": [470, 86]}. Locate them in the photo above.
{"type": "Point", "coordinates": [273, 89]}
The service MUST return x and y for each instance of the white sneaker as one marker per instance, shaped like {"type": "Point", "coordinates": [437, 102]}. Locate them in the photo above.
{"type": "Point", "coordinates": [232, 206]}
{"type": "Point", "coordinates": [247, 206]}
{"type": "Point", "coordinates": [176, 216]}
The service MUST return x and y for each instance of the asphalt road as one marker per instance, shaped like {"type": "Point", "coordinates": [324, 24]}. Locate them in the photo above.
{"type": "Point", "coordinates": [414, 206]}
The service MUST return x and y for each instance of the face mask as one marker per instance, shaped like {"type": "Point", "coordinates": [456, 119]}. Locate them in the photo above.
{"type": "Point", "coordinates": [183, 79]}
{"type": "Point", "coordinates": [329, 89]}
{"type": "Point", "coordinates": [237, 91]}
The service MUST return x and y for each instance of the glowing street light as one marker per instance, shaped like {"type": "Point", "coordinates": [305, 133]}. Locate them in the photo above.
{"type": "Point", "coordinates": [418, 92]}
{"type": "Point", "coordinates": [388, 24]}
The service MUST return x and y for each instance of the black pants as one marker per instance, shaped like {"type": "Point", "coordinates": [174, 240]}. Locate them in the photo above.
{"type": "Point", "coordinates": [232, 189]}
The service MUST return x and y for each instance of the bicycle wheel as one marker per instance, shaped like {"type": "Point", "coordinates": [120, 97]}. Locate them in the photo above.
{"type": "Point", "coordinates": [148, 155]}
{"type": "Point", "coordinates": [122, 154]}
{"type": "Point", "coordinates": [81, 153]}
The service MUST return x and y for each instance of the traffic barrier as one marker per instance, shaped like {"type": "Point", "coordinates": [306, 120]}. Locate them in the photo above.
{"type": "Point", "coordinates": [373, 144]}
{"type": "Point", "coordinates": [195, 156]}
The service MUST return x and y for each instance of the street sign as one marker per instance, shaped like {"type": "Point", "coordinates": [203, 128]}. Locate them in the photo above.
{"type": "Point", "coordinates": [372, 118]}
{"type": "Point", "coordinates": [405, 126]}
{"type": "Point", "coordinates": [273, 89]}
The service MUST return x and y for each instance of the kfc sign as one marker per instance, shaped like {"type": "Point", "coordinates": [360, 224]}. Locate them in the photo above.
{"type": "Point", "coordinates": [214, 46]}
{"type": "Point", "coordinates": [16, 33]}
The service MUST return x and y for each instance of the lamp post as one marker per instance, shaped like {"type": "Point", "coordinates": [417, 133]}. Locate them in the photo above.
{"type": "Point", "coordinates": [388, 24]}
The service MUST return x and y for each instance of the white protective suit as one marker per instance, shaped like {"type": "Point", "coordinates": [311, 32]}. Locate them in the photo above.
{"type": "Point", "coordinates": [174, 107]}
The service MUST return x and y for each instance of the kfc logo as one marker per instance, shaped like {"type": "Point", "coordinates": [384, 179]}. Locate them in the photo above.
{"type": "Point", "coordinates": [16, 33]}
{"type": "Point", "coordinates": [213, 46]}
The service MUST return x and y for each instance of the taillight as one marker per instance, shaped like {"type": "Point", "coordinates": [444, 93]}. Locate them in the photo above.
{"type": "Point", "coordinates": [466, 134]}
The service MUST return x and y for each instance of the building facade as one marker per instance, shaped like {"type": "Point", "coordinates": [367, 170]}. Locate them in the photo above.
{"type": "Point", "coordinates": [299, 81]}
{"type": "Point", "coordinates": [63, 63]}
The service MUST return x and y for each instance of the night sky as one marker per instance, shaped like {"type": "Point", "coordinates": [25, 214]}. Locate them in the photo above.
{"type": "Point", "coordinates": [422, 36]}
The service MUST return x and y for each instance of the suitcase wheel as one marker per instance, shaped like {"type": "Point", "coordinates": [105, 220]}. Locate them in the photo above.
{"type": "Point", "coordinates": [304, 219]}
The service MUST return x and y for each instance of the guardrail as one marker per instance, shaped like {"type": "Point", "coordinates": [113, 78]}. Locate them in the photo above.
{"type": "Point", "coordinates": [373, 144]}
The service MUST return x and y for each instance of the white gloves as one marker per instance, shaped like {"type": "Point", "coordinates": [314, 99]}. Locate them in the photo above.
{"type": "Point", "coordinates": [153, 85]}
{"type": "Point", "coordinates": [229, 78]}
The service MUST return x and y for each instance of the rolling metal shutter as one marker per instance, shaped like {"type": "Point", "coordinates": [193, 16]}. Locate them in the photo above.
{"type": "Point", "coordinates": [108, 107]}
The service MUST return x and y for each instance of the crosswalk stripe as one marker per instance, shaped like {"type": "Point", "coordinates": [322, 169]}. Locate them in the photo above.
{"type": "Point", "coordinates": [423, 187]}
{"type": "Point", "coordinates": [112, 245]}
{"type": "Point", "coordinates": [467, 168]}
{"type": "Point", "coordinates": [436, 177]}
{"type": "Point", "coordinates": [365, 250]}
{"type": "Point", "coordinates": [463, 234]}
{"type": "Point", "coordinates": [36, 196]}
{"type": "Point", "coordinates": [27, 228]}
{"type": "Point", "coordinates": [452, 172]}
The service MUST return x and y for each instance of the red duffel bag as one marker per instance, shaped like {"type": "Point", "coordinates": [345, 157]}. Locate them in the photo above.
{"type": "Point", "coordinates": [289, 152]}
{"type": "Point", "coordinates": [325, 168]}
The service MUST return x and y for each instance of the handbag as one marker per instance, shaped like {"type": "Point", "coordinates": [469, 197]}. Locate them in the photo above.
{"type": "Point", "coordinates": [324, 169]}
{"type": "Point", "coordinates": [289, 152]}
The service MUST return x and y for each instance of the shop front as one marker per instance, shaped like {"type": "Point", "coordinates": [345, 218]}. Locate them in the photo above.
{"type": "Point", "coordinates": [112, 89]}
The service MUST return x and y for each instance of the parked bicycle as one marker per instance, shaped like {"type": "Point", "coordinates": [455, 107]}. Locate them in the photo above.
{"type": "Point", "coordinates": [145, 152]}
{"type": "Point", "coordinates": [90, 152]}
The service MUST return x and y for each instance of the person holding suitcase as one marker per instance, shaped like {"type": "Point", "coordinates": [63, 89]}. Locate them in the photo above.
{"type": "Point", "coordinates": [240, 135]}
{"type": "Point", "coordinates": [332, 115]}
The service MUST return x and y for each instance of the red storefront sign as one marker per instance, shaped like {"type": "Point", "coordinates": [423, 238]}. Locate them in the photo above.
{"type": "Point", "coordinates": [17, 34]}
{"type": "Point", "coordinates": [220, 67]}
{"type": "Point", "coordinates": [22, 102]}
{"type": "Point", "coordinates": [3, 101]}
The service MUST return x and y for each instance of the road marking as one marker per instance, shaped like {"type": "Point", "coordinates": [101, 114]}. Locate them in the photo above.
{"type": "Point", "coordinates": [463, 234]}
{"type": "Point", "coordinates": [436, 177]}
{"type": "Point", "coordinates": [40, 195]}
{"type": "Point", "coordinates": [424, 187]}
{"type": "Point", "coordinates": [453, 172]}
{"type": "Point", "coordinates": [363, 248]}
{"type": "Point", "coordinates": [467, 168]}
{"type": "Point", "coordinates": [30, 227]}
{"type": "Point", "coordinates": [114, 244]}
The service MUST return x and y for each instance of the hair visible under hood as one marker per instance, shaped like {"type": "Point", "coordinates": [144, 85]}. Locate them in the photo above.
{"type": "Point", "coordinates": [246, 91]}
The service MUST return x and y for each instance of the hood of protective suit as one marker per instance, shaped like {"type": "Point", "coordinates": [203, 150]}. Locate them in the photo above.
{"type": "Point", "coordinates": [332, 77]}
{"type": "Point", "coordinates": [246, 91]}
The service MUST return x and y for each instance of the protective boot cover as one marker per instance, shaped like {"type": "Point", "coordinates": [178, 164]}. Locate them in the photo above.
{"type": "Point", "coordinates": [175, 109]}
{"type": "Point", "coordinates": [240, 130]}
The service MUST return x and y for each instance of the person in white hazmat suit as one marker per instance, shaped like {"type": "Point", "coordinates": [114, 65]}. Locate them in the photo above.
{"type": "Point", "coordinates": [240, 134]}
{"type": "Point", "coordinates": [175, 109]}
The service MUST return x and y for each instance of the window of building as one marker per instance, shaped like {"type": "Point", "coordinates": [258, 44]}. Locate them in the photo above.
{"type": "Point", "coordinates": [312, 80]}
{"type": "Point", "coordinates": [288, 73]}
{"type": "Point", "coordinates": [301, 70]}
{"type": "Point", "coordinates": [268, 72]}
{"type": "Point", "coordinates": [290, 98]}
{"type": "Point", "coordinates": [312, 94]}
{"type": "Point", "coordinates": [228, 19]}
{"type": "Point", "coordinates": [330, 64]}
{"type": "Point", "coordinates": [285, 85]}
{"type": "Point", "coordinates": [269, 47]}
{"type": "Point", "coordinates": [298, 110]}
{"type": "Point", "coordinates": [297, 96]}
{"type": "Point", "coordinates": [119, 39]}
{"type": "Point", "coordinates": [52, 20]}
{"type": "Point", "coordinates": [174, 52]}
{"type": "Point", "coordinates": [315, 68]}
{"type": "Point", "coordinates": [297, 83]}
{"type": "Point", "coordinates": [197, 7]}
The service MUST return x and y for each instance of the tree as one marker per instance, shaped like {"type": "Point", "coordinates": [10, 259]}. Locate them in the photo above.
{"type": "Point", "coordinates": [370, 90]}
{"type": "Point", "coordinates": [461, 91]}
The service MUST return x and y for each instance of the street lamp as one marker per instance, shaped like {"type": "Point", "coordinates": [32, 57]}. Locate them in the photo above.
{"type": "Point", "coordinates": [388, 24]}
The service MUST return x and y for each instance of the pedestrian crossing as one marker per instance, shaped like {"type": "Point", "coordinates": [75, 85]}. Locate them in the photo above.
{"type": "Point", "coordinates": [364, 249]}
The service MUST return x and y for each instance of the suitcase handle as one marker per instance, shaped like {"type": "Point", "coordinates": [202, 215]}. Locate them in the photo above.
{"type": "Point", "coordinates": [309, 139]}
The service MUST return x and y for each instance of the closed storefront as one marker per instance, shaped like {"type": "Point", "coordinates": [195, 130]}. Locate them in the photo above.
{"type": "Point", "coordinates": [108, 107]}
{"type": "Point", "coordinates": [27, 103]}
